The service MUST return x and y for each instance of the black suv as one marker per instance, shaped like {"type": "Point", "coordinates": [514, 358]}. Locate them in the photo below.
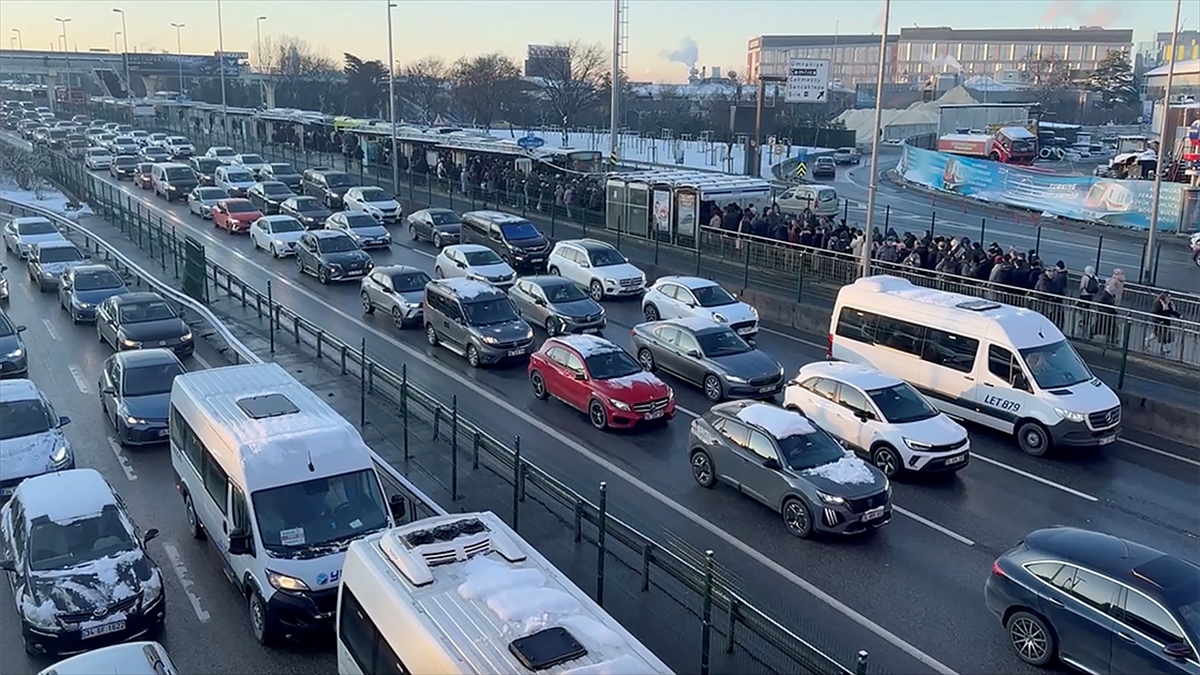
{"type": "Point", "coordinates": [513, 238]}
{"type": "Point", "coordinates": [327, 185]}
{"type": "Point", "coordinates": [329, 256]}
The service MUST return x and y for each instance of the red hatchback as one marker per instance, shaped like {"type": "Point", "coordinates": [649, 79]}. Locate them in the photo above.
{"type": "Point", "coordinates": [235, 215]}
{"type": "Point", "coordinates": [596, 376]}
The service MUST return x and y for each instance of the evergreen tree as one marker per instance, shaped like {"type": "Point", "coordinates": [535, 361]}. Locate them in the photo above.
{"type": "Point", "coordinates": [1113, 80]}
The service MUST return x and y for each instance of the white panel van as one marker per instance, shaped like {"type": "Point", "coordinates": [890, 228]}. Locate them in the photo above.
{"type": "Point", "coordinates": [822, 200]}
{"type": "Point", "coordinates": [1001, 366]}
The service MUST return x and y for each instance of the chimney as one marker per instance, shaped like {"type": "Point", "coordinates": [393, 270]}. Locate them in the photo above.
{"type": "Point", "coordinates": [703, 73]}
{"type": "Point", "coordinates": [716, 72]}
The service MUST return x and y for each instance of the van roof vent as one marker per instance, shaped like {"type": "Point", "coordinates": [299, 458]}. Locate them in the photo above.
{"type": "Point", "coordinates": [978, 305]}
{"type": "Point", "coordinates": [267, 405]}
{"type": "Point", "coordinates": [415, 552]}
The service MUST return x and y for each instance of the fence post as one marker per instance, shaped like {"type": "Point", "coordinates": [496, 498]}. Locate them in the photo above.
{"type": "Point", "coordinates": [404, 406]}
{"type": "Point", "coordinates": [601, 527]}
{"type": "Point", "coordinates": [516, 510]}
{"type": "Point", "coordinates": [932, 222]}
{"type": "Point", "coordinates": [363, 367]}
{"type": "Point", "coordinates": [454, 448]}
{"type": "Point", "coordinates": [887, 214]}
{"type": "Point", "coordinates": [982, 230]}
{"type": "Point", "coordinates": [1143, 273]}
{"type": "Point", "coordinates": [475, 450]}
{"type": "Point", "coordinates": [746, 265]}
{"type": "Point", "coordinates": [706, 614]}
{"type": "Point", "coordinates": [860, 663]}
{"type": "Point", "coordinates": [1037, 243]}
{"type": "Point", "coordinates": [271, 316]}
{"type": "Point", "coordinates": [1099, 247]}
{"type": "Point", "coordinates": [1124, 353]}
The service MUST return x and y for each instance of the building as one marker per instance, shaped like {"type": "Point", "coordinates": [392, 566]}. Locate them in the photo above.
{"type": "Point", "coordinates": [548, 61]}
{"type": "Point", "coordinates": [853, 59]}
{"type": "Point", "coordinates": [1185, 85]}
{"type": "Point", "coordinates": [1156, 53]}
{"type": "Point", "coordinates": [923, 52]}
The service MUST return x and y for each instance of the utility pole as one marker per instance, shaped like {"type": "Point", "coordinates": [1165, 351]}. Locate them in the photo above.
{"type": "Point", "coordinates": [221, 67]}
{"type": "Point", "coordinates": [392, 103]}
{"type": "Point", "coordinates": [125, 56]}
{"type": "Point", "coordinates": [262, 84]}
{"type": "Point", "coordinates": [614, 122]}
{"type": "Point", "coordinates": [1164, 136]}
{"type": "Point", "coordinates": [869, 227]}
{"type": "Point", "coordinates": [179, 51]}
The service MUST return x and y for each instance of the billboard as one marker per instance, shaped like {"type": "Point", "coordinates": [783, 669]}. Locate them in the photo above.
{"type": "Point", "coordinates": [549, 61]}
{"type": "Point", "coordinates": [193, 66]}
{"type": "Point", "coordinates": [1123, 203]}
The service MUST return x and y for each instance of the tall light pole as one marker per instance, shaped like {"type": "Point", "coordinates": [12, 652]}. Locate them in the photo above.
{"type": "Point", "coordinates": [1164, 136]}
{"type": "Point", "coordinates": [66, 55]}
{"type": "Point", "coordinates": [221, 68]}
{"type": "Point", "coordinates": [20, 42]}
{"type": "Point", "coordinates": [392, 102]}
{"type": "Point", "coordinates": [125, 38]}
{"type": "Point", "coordinates": [116, 42]}
{"type": "Point", "coordinates": [614, 118]}
{"type": "Point", "coordinates": [179, 51]}
{"type": "Point", "coordinates": [262, 85]}
{"type": "Point", "coordinates": [868, 234]}
{"type": "Point", "coordinates": [12, 41]}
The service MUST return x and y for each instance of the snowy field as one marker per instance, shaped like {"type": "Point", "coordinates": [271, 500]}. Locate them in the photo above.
{"type": "Point", "coordinates": [48, 198]}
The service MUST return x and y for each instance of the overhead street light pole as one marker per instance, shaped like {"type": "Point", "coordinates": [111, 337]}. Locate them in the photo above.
{"type": "Point", "coordinates": [262, 85]}
{"type": "Point", "coordinates": [125, 39]}
{"type": "Point", "coordinates": [1164, 136]}
{"type": "Point", "coordinates": [20, 41]}
{"type": "Point", "coordinates": [869, 226]}
{"type": "Point", "coordinates": [221, 68]}
{"type": "Point", "coordinates": [179, 51]}
{"type": "Point", "coordinates": [66, 53]}
{"type": "Point", "coordinates": [614, 121]}
{"type": "Point", "coordinates": [116, 41]}
{"type": "Point", "coordinates": [392, 103]}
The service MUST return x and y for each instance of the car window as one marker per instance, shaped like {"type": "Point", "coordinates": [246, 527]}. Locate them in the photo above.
{"type": "Point", "coordinates": [1147, 617]}
{"type": "Point", "coordinates": [687, 342]}
{"type": "Point", "coordinates": [1003, 365]}
{"type": "Point", "coordinates": [948, 349]}
{"type": "Point", "coordinates": [853, 399]}
{"type": "Point", "coordinates": [738, 434]}
{"type": "Point", "coordinates": [1046, 571]}
{"type": "Point", "coordinates": [557, 355]}
{"type": "Point", "coordinates": [1093, 590]}
{"type": "Point", "coordinates": [60, 546]}
{"type": "Point", "coordinates": [25, 418]}
{"type": "Point", "coordinates": [825, 388]}
{"type": "Point", "coordinates": [761, 446]}
{"type": "Point", "coordinates": [573, 362]}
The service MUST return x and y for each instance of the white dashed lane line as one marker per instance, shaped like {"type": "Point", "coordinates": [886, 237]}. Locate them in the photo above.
{"type": "Point", "coordinates": [185, 580]}
{"type": "Point", "coordinates": [80, 382]}
{"type": "Point", "coordinates": [126, 465]}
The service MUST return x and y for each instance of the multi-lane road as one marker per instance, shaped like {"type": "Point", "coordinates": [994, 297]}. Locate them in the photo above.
{"type": "Point", "coordinates": [912, 595]}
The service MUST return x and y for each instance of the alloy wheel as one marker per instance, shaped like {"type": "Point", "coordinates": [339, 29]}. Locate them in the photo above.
{"type": "Point", "coordinates": [597, 416]}
{"type": "Point", "coordinates": [702, 470]}
{"type": "Point", "coordinates": [1028, 638]}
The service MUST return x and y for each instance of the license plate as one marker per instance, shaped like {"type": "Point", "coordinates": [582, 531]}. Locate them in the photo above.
{"type": "Point", "coordinates": [163, 433]}
{"type": "Point", "coordinates": [958, 459]}
{"type": "Point", "coordinates": [745, 331]}
{"type": "Point", "coordinates": [1107, 439]}
{"type": "Point", "coordinates": [655, 415]}
{"type": "Point", "coordinates": [763, 390]}
{"type": "Point", "coordinates": [873, 514]}
{"type": "Point", "coordinates": [102, 629]}
{"type": "Point", "coordinates": [516, 352]}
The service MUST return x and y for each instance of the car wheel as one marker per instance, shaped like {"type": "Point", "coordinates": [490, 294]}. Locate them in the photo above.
{"type": "Point", "coordinates": [412, 233]}
{"type": "Point", "coordinates": [193, 521]}
{"type": "Point", "coordinates": [437, 241]}
{"type": "Point", "coordinates": [1033, 439]}
{"type": "Point", "coordinates": [797, 518]}
{"type": "Point", "coordinates": [597, 415]}
{"type": "Point", "coordinates": [713, 390]}
{"type": "Point", "coordinates": [367, 305]}
{"type": "Point", "coordinates": [397, 318]}
{"type": "Point", "coordinates": [646, 359]}
{"type": "Point", "coordinates": [702, 469]}
{"type": "Point", "coordinates": [472, 356]}
{"type": "Point", "coordinates": [538, 383]}
{"type": "Point", "coordinates": [554, 326]}
{"type": "Point", "coordinates": [651, 313]}
{"type": "Point", "coordinates": [1031, 638]}
{"type": "Point", "coordinates": [596, 290]}
{"type": "Point", "coordinates": [323, 275]}
{"type": "Point", "coordinates": [553, 271]}
{"type": "Point", "coordinates": [886, 460]}
{"type": "Point", "coordinates": [431, 335]}
{"type": "Point", "coordinates": [259, 622]}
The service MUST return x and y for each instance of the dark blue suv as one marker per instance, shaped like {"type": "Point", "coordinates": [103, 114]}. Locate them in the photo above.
{"type": "Point", "coordinates": [1097, 603]}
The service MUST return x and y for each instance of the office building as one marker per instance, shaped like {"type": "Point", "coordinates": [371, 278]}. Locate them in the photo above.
{"type": "Point", "coordinates": [853, 59]}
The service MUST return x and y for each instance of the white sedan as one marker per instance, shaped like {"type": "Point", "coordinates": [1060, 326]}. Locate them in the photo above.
{"type": "Point", "coordinates": [679, 297]}
{"type": "Point", "coordinates": [98, 159]}
{"type": "Point", "coordinates": [201, 200]}
{"type": "Point", "coordinates": [252, 163]}
{"type": "Point", "coordinates": [374, 201]}
{"type": "Point", "coordinates": [473, 262]}
{"type": "Point", "coordinates": [277, 234]}
{"type": "Point", "coordinates": [223, 153]}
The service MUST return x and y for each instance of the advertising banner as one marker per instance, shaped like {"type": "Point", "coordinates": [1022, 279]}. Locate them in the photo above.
{"type": "Point", "coordinates": [662, 210]}
{"type": "Point", "coordinates": [686, 214]}
{"type": "Point", "coordinates": [1123, 203]}
{"type": "Point", "coordinates": [193, 66]}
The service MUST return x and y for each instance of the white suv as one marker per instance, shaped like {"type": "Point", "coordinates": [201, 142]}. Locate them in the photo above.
{"type": "Point", "coordinates": [676, 297]}
{"type": "Point", "coordinates": [596, 266]}
{"type": "Point", "coordinates": [879, 417]}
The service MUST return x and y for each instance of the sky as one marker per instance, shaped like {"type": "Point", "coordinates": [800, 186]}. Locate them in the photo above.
{"type": "Point", "coordinates": [664, 35]}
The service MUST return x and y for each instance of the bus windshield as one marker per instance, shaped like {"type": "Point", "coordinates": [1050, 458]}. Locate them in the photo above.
{"type": "Point", "coordinates": [303, 518]}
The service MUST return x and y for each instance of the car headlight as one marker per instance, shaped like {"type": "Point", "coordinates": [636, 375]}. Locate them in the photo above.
{"type": "Point", "coordinates": [918, 445]}
{"type": "Point", "coordinates": [39, 616]}
{"type": "Point", "coordinates": [61, 454]}
{"type": "Point", "coordinates": [80, 305]}
{"type": "Point", "coordinates": [285, 583]}
{"type": "Point", "coordinates": [14, 354]}
{"type": "Point", "coordinates": [1070, 415]}
{"type": "Point", "coordinates": [888, 489]}
{"type": "Point", "coordinates": [528, 333]}
{"type": "Point", "coordinates": [130, 344]}
{"type": "Point", "coordinates": [830, 499]}
{"type": "Point", "coordinates": [134, 421]}
{"type": "Point", "coordinates": [620, 405]}
{"type": "Point", "coordinates": [735, 379]}
{"type": "Point", "coordinates": [719, 318]}
{"type": "Point", "coordinates": [187, 336]}
{"type": "Point", "coordinates": [335, 267]}
{"type": "Point", "coordinates": [753, 311]}
{"type": "Point", "coordinates": [490, 340]}
{"type": "Point", "coordinates": [610, 282]}
{"type": "Point", "coordinates": [152, 590]}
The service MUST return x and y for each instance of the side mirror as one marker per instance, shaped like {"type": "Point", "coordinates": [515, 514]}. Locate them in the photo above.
{"type": "Point", "coordinates": [10, 566]}
{"type": "Point", "coordinates": [772, 464]}
{"type": "Point", "coordinates": [461, 264]}
{"type": "Point", "coordinates": [239, 542]}
{"type": "Point", "coordinates": [541, 302]}
{"type": "Point", "coordinates": [694, 353]}
{"type": "Point", "coordinates": [580, 377]}
{"type": "Point", "coordinates": [108, 390]}
{"type": "Point", "coordinates": [864, 415]}
{"type": "Point", "coordinates": [1019, 382]}
{"type": "Point", "coordinates": [64, 421]}
{"type": "Point", "coordinates": [397, 506]}
{"type": "Point", "coordinates": [150, 534]}
{"type": "Point", "coordinates": [21, 329]}
{"type": "Point", "coordinates": [585, 264]}
{"type": "Point", "coordinates": [1176, 650]}
{"type": "Point", "coordinates": [3, 268]}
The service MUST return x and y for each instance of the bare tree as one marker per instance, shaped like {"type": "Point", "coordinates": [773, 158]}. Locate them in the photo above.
{"type": "Point", "coordinates": [425, 88]}
{"type": "Point", "coordinates": [572, 85]}
{"type": "Point", "coordinates": [1049, 77]}
{"type": "Point", "coordinates": [306, 77]}
{"type": "Point", "coordinates": [483, 84]}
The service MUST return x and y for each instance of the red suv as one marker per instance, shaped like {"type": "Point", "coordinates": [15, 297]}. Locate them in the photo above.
{"type": "Point", "coordinates": [598, 377]}
{"type": "Point", "coordinates": [235, 215]}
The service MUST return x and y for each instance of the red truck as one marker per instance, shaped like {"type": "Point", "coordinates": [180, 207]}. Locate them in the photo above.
{"type": "Point", "coordinates": [1010, 145]}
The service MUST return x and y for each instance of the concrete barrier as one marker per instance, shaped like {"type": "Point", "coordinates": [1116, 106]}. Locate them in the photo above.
{"type": "Point", "coordinates": [1172, 422]}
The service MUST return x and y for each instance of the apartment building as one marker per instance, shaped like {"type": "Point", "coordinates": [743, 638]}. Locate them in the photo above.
{"type": "Point", "coordinates": [1155, 53]}
{"type": "Point", "coordinates": [853, 59]}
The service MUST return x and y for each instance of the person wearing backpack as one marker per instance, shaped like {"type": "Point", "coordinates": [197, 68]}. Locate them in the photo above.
{"type": "Point", "coordinates": [1089, 285]}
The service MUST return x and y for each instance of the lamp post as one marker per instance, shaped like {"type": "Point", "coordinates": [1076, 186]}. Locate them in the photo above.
{"type": "Point", "coordinates": [116, 41]}
{"type": "Point", "coordinates": [66, 55]}
{"type": "Point", "coordinates": [392, 102]}
{"type": "Point", "coordinates": [614, 104]}
{"type": "Point", "coordinates": [179, 51]}
{"type": "Point", "coordinates": [221, 68]}
{"type": "Point", "coordinates": [125, 56]}
{"type": "Point", "coordinates": [1164, 136]}
{"type": "Point", "coordinates": [20, 42]}
{"type": "Point", "coordinates": [262, 85]}
{"type": "Point", "coordinates": [869, 233]}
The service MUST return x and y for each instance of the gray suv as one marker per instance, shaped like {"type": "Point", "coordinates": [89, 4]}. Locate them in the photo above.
{"type": "Point", "coordinates": [710, 355]}
{"type": "Point", "coordinates": [398, 290]}
{"type": "Point", "coordinates": [476, 320]}
{"type": "Point", "coordinates": [789, 464]}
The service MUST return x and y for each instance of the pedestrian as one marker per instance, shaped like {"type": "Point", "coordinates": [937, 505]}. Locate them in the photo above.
{"type": "Point", "coordinates": [1108, 299]}
{"type": "Point", "coordinates": [1089, 285]}
{"type": "Point", "coordinates": [1164, 311]}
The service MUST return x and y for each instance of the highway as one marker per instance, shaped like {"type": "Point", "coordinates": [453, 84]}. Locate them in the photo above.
{"type": "Point", "coordinates": [919, 580]}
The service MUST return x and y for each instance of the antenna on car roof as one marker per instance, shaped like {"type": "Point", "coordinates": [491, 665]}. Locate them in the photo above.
{"type": "Point", "coordinates": [311, 468]}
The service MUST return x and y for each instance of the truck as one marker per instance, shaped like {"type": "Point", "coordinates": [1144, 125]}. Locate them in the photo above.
{"type": "Point", "coordinates": [1010, 145]}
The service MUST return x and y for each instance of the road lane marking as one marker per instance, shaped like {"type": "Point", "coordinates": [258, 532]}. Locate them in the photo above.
{"type": "Point", "coordinates": [123, 460]}
{"type": "Point", "coordinates": [185, 580]}
{"type": "Point", "coordinates": [930, 524]}
{"type": "Point", "coordinates": [50, 329]}
{"type": "Point", "coordinates": [685, 411]}
{"type": "Point", "coordinates": [204, 364]}
{"type": "Point", "coordinates": [794, 338]}
{"type": "Point", "coordinates": [580, 449]}
{"type": "Point", "coordinates": [79, 380]}
{"type": "Point", "coordinates": [1035, 477]}
{"type": "Point", "coordinates": [1164, 453]}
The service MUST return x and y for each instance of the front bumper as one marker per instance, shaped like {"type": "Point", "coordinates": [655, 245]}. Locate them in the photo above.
{"type": "Point", "coordinates": [306, 612]}
{"type": "Point", "coordinates": [182, 348]}
{"type": "Point", "coordinates": [83, 314]}
{"type": "Point", "coordinates": [624, 290]}
{"type": "Point", "coordinates": [47, 280]}
{"type": "Point", "coordinates": [583, 324]}
{"type": "Point", "coordinates": [121, 174]}
{"type": "Point", "coordinates": [496, 354]}
{"type": "Point", "coordinates": [839, 519]}
{"type": "Point", "coordinates": [71, 641]}
{"type": "Point", "coordinates": [525, 262]}
{"type": "Point", "coordinates": [1067, 434]}
{"type": "Point", "coordinates": [642, 413]}
{"type": "Point", "coordinates": [946, 463]}
{"type": "Point", "coordinates": [375, 243]}
{"type": "Point", "coordinates": [749, 390]}
{"type": "Point", "coordinates": [152, 432]}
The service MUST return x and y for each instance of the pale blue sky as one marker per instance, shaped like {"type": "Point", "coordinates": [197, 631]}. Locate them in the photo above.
{"type": "Point", "coordinates": [451, 28]}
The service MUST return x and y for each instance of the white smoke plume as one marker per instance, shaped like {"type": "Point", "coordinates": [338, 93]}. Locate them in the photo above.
{"type": "Point", "coordinates": [688, 53]}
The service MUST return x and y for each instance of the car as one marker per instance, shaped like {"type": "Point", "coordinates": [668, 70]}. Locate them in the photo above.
{"type": "Point", "coordinates": [783, 460]}
{"type": "Point", "coordinates": [124, 145]}
{"type": "Point", "coordinates": [155, 154]}
{"type": "Point", "coordinates": [375, 202]}
{"type": "Point", "coordinates": [22, 234]}
{"type": "Point", "coordinates": [235, 215]}
{"type": "Point", "coordinates": [123, 129]}
{"type": "Point", "coordinates": [277, 234]}
{"type": "Point", "coordinates": [233, 179]}
{"type": "Point", "coordinates": [83, 287]}
{"type": "Point", "coordinates": [441, 227]}
{"type": "Point", "coordinates": [824, 167]}
{"type": "Point", "coordinates": [77, 148]}
{"type": "Point", "coordinates": [143, 658]}
{"type": "Point", "coordinates": [48, 260]}
{"type": "Point", "coordinates": [476, 320]}
{"type": "Point", "coordinates": [361, 227]}
{"type": "Point", "coordinates": [678, 297]}
{"type": "Point", "coordinates": [596, 266]}
{"type": "Point", "coordinates": [172, 181]}
{"type": "Point", "coordinates": [710, 355]}
{"type": "Point", "coordinates": [202, 200]}
{"type": "Point", "coordinates": [3, 284]}
{"type": "Point", "coordinates": [111, 127]}
{"type": "Point", "coordinates": [282, 172]}
{"type": "Point", "coordinates": [331, 256]}
{"type": "Point", "coordinates": [223, 153]}
{"type": "Point", "coordinates": [557, 305]}
{"type": "Point", "coordinates": [102, 140]}
{"type": "Point", "coordinates": [14, 358]}
{"type": "Point", "coordinates": [473, 261]}
{"type": "Point", "coordinates": [205, 168]}
{"type": "Point", "coordinates": [135, 394]}
{"type": "Point", "coordinates": [250, 162]}
{"type": "Point", "coordinates": [70, 530]}
{"type": "Point", "coordinates": [140, 135]}
{"type": "Point", "coordinates": [98, 159]}
{"type": "Point", "coordinates": [268, 195]}
{"type": "Point", "coordinates": [601, 380]}
{"type": "Point", "coordinates": [179, 147]}
{"type": "Point", "coordinates": [881, 417]}
{"type": "Point", "coordinates": [143, 320]}
{"type": "Point", "coordinates": [143, 175]}
{"type": "Point", "coordinates": [847, 156]}
{"type": "Point", "coordinates": [31, 437]}
{"type": "Point", "coordinates": [156, 138]}
{"type": "Point", "coordinates": [308, 210]}
{"type": "Point", "coordinates": [398, 290]}
{"type": "Point", "coordinates": [123, 166]}
{"type": "Point", "coordinates": [1096, 602]}
{"type": "Point", "coordinates": [327, 185]}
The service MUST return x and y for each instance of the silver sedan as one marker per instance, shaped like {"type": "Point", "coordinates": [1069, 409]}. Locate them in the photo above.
{"type": "Point", "coordinates": [710, 355]}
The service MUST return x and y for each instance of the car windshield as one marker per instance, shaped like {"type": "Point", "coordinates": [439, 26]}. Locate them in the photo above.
{"type": "Point", "coordinates": [222, 152]}
{"type": "Point", "coordinates": [607, 257]}
{"type": "Point", "coordinates": [36, 227]}
{"type": "Point", "coordinates": [141, 312]}
{"type": "Point", "coordinates": [610, 365]}
{"type": "Point", "coordinates": [721, 342]}
{"type": "Point", "coordinates": [276, 189]}
{"type": "Point", "coordinates": [280, 169]}
{"type": "Point", "coordinates": [155, 152]}
{"type": "Point", "coordinates": [239, 177]}
{"type": "Point", "coordinates": [177, 140]}
{"type": "Point", "coordinates": [180, 173]}
{"type": "Point", "coordinates": [149, 380]}
{"type": "Point", "coordinates": [281, 225]}
{"type": "Point", "coordinates": [1056, 365]}
{"type": "Point", "coordinates": [24, 418]}
{"type": "Point", "coordinates": [59, 254]}
{"type": "Point", "coordinates": [518, 231]}
{"type": "Point", "coordinates": [360, 220]}
{"type": "Point", "coordinates": [212, 194]}
{"type": "Point", "coordinates": [409, 282]}
{"type": "Point", "coordinates": [308, 204]}
{"type": "Point", "coordinates": [336, 180]}
{"type": "Point", "coordinates": [488, 312]}
{"type": "Point", "coordinates": [251, 159]}
{"type": "Point", "coordinates": [98, 152]}
{"type": "Point", "coordinates": [482, 257]}
{"type": "Point", "coordinates": [563, 292]}
{"type": "Point", "coordinates": [240, 207]}
{"type": "Point", "coordinates": [340, 244]}
{"type": "Point", "coordinates": [1190, 613]}
{"type": "Point", "coordinates": [77, 144]}
{"type": "Point", "coordinates": [206, 165]}
{"type": "Point", "coordinates": [901, 404]}
{"type": "Point", "coordinates": [444, 218]}
{"type": "Point", "coordinates": [374, 195]}
{"type": "Point", "coordinates": [808, 451]}
{"type": "Point", "coordinates": [125, 160]}
{"type": "Point", "coordinates": [57, 546]}
{"type": "Point", "coordinates": [94, 281]}
{"type": "Point", "coordinates": [319, 512]}
{"type": "Point", "coordinates": [713, 296]}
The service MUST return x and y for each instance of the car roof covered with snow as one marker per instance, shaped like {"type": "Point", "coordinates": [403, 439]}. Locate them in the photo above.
{"type": "Point", "coordinates": [468, 289]}
{"type": "Point", "coordinates": [771, 419]}
{"type": "Point", "coordinates": [65, 496]}
{"type": "Point", "coordinates": [18, 390]}
{"type": "Point", "coordinates": [862, 376]}
{"type": "Point", "coordinates": [587, 345]}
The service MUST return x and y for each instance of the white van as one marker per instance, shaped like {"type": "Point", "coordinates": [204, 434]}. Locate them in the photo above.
{"type": "Point", "coordinates": [280, 483]}
{"type": "Point", "coordinates": [994, 364]}
{"type": "Point", "coordinates": [129, 658]}
{"type": "Point", "coordinates": [821, 199]}
{"type": "Point", "coordinates": [463, 593]}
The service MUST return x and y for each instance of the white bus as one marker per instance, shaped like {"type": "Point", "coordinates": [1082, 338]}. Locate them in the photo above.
{"type": "Point", "coordinates": [464, 594]}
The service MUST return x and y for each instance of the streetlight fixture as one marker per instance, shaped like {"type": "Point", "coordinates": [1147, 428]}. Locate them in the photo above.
{"type": "Point", "coordinates": [125, 56]}
{"type": "Point", "coordinates": [1164, 135]}
{"type": "Point", "coordinates": [20, 42]}
{"type": "Point", "coordinates": [66, 54]}
{"type": "Point", "coordinates": [116, 41]}
{"type": "Point", "coordinates": [179, 51]}
{"type": "Point", "coordinates": [392, 102]}
{"type": "Point", "coordinates": [869, 226]}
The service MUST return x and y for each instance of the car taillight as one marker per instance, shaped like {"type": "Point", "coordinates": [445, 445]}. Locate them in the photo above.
{"type": "Point", "coordinates": [996, 569]}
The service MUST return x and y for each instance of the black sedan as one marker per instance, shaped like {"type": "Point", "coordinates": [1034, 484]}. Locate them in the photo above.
{"type": "Point", "coordinates": [330, 255]}
{"type": "Point", "coordinates": [205, 167]}
{"type": "Point", "coordinates": [143, 321]}
{"type": "Point", "coordinates": [268, 195]}
{"type": "Point", "coordinates": [83, 287]}
{"type": "Point", "coordinates": [135, 393]}
{"type": "Point", "coordinates": [123, 166]}
{"type": "Point", "coordinates": [441, 227]}
{"type": "Point", "coordinates": [14, 359]}
{"type": "Point", "coordinates": [310, 211]}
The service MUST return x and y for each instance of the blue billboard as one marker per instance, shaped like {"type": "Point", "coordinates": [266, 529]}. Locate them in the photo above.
{"type": "Point", "coordinates": [1123, 203]}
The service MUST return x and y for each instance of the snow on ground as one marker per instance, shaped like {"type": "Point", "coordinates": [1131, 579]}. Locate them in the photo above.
{"type": "Point", "coordinates": [47, 198]}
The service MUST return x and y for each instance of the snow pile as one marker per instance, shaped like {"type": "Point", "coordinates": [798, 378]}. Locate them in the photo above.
{"type": "Point", "coordinates": [849, 470]}
{"type": "Point", "coordinates": [776, 421]}
{"type": "Point", "coordinates": [38, 615]}
{"type": "Point", "coordinates": [622, 665]}
{"type": "Point", "coordinates": [589, 345]}
{"type": "Point", "coordinates": [51, 200]}
{"type": "Point", "coordinates": [518, 597]}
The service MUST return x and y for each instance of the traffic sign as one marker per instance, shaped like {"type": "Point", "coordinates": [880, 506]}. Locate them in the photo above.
{"type": "Point", "coordinates": [530, 142]}
{"type": "Point", "coordinates": [807, 81]}
{"type": "Point", "coordinates": [801, 170]}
